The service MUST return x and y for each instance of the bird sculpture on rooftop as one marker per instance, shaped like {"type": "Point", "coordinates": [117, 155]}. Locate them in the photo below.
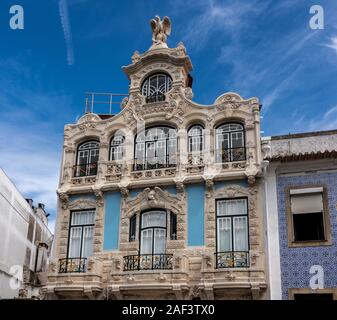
{"type": "Point", "coordinates": [161, 29]}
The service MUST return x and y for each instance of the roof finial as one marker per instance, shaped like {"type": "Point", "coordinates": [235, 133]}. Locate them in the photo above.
{"type": "Point", "coordinates": [160, 30]}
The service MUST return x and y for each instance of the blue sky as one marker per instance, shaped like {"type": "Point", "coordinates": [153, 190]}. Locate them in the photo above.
{"type": "Point", "coordinates": [256, 48]}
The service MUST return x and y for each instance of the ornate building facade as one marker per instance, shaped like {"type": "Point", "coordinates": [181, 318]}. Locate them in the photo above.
{"type": "Point", "coordinates": [163, 200]}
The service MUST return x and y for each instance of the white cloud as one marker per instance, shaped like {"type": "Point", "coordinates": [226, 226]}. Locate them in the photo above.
{"type": "Point", "coordinates": [327, 122]}
{"type": "Point", "coordinates": [333, 43]}
{"type": "Point", "coordinates": [65, 21]}
{"type": "Point", "coordinates": [213, 17]}
{"type": "Point", "coordinates": [269, 99]}
{"type": "Point", "coordinates": [30, 136]}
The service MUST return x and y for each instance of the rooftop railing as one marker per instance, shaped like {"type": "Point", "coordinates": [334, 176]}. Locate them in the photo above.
{"type": "Point", "coordinates": [102, 102]}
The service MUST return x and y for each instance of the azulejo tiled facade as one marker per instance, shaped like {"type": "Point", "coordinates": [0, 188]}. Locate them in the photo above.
{"type": "Point", "coordinates": [302, 165]}
{"type": "Point", "coordinates": [162, 200]}
{"type": "Point", "coordinates": [296, 262]}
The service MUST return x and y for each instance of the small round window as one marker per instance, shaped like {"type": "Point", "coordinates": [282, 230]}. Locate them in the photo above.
{"type": "Point", "coordinates": [154, 87]}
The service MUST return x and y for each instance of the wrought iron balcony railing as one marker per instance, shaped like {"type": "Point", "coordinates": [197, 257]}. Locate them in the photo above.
{"type": "Point", "coordinates": [232, 259]}
{"type": "Point", "coordinates": [148, 262]}
{"type": "Point", "coordinates": [231, 155]}
{"type": "Point", "coordinates": [85, 170]}
{"type": "Point", "coordinates": [68, 265]}
{"type": "Point", "coordinates": [155, 98]}
{"type": "Point", "coordinates": [168, 161]}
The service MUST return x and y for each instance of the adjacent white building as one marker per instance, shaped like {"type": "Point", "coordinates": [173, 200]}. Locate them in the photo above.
{"type": "Point", "coordinates": [25, 242]}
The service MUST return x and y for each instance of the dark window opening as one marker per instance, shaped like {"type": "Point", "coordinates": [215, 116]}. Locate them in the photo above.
{"type": "Point", "coordinates": [313, 296]}
{"type": "Point", "coordinates": [173, 226]}
{"type": "Point", "coordinates": [132, 232]}
{"type": "Point", "coordinates": [308, 226]}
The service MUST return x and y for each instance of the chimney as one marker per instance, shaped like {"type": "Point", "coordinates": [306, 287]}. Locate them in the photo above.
{"type": "Point", "coordinates": [41, 206]}
{"type": "Point", "coordinates": [30, 202]}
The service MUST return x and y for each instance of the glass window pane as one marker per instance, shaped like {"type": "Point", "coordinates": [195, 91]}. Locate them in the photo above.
{"type": "Point", "coordinates": [75, 242]}
{"type": "Point", "coordinates": [154, 219]}
{"type": "Point", "coordinates": [224, 234]}
{"type": "Point", "coordinates": [88, 239]}
{"type": "Point", "coordinates": [232, 207]}
{"type": "Point", "coordinates": [146, 241]}
{"type": "Point", "coordinates": [159, 241]}
{"type": "Point", "coordinates": [83, 217]}
{"type": "Point", "coordinates": [240, 233]}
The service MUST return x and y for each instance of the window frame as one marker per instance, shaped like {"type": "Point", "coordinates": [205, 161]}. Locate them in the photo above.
{"type": "Point", "coordinates": [230, 142]}
{"type": "Point", "coordinates": [217, 216]}
{"type": "Point", "coordinates": [294, 291]}
{"type": "Point", "coordinates": [159, 95]}
{"type": "Point", "coordinates": [326, 219]}
{"type": "Point", "coordinates": [189, 138]}
{"type": "Point", "coordinates": [148, 166]}
{"type": "Point", "coordinates": [153, 228]}
{"type": "Point", "coordinates": [133, 219]}
{"type": "Point", "coordinates": [88, 163]}
{"type": "Point", "coordinates": [82, 228]}
{"type": "Point", "coordinates": [120, 145]}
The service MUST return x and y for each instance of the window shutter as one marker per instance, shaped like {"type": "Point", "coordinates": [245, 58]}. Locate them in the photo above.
{"type": "Point", "coordinates": [132, 231]}
{"type": "Point", "coordinates": [173, 226]}
{"type": "Point", "coordinates": [306, 203]}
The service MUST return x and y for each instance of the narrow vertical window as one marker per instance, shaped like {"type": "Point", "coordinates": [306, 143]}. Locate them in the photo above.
{"type": "Point", "coordinates": [117, 147]}
{"type": "Point", "coordinates": [132, 231]}
{"type": "Point", "coordinates": [195, 139]}
{"type": "Point", "coordinates": [173, 226]}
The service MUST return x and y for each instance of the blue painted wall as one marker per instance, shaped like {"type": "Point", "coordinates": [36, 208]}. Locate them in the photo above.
{"type": "Point", "coordinates": [88, 196]}
{"type": "Point", "coordinates": [296, 262]}
{"type": "Point", "coordinates": [195, 214]}
{"type": "Point", "coordinates": [112, 201]}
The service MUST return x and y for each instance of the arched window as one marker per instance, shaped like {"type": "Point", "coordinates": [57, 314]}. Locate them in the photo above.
{"type": "Point", "coordinates": [156, 148]}
{"type": "Point", "coordinates": [230, 143]}
{"type": "Point", "coordinates": [87, 158]}
{"type": "Point", "coordinates": [155, 86]}
{"type": "Point", "coordinates": [117, 147]}
{"type": "Point", "coordinates": [195, 139]}
{"type": "Point", "coordinates": [153, 232]}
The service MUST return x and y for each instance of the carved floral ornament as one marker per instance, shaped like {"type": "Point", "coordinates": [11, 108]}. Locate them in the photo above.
{"type": "Point", "coordinates": [80, 204]}
{"type": "Point", "coordinates": [153, 198]}
{"type": "Point", "coordinates": [232, 192]}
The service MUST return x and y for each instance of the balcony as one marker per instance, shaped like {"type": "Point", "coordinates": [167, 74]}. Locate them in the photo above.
{"type": "Point", "coordinates": [168, 161]}
{"type": "Point", "coordinates": [231, 155]}
{"type": "Point", "coordinates": [148, 262]}
{"type": "Point", "coordinates": [232, 259]}
{"type": "Point", "coordinates": [85, 170]}
{"type": "Point", "coordinates": [70, 265]}
{"type": "Point", "coordinates": [155, 98]}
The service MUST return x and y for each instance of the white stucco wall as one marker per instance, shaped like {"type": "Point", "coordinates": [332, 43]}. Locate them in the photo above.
{"type": "Point", "coordinates": [14, 217]}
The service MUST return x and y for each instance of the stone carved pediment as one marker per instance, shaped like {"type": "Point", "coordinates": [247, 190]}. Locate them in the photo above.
{"type": "Point", "coordinates": [230, 102]}
{"type": "Point", "coordinates": [232, 192]}
{"type": "Point", "coordinates": [153, 198]}
{"type": "Point", "coordinates": [89, 117]}
{"type": "Point", "coordinates": [82, 204]}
